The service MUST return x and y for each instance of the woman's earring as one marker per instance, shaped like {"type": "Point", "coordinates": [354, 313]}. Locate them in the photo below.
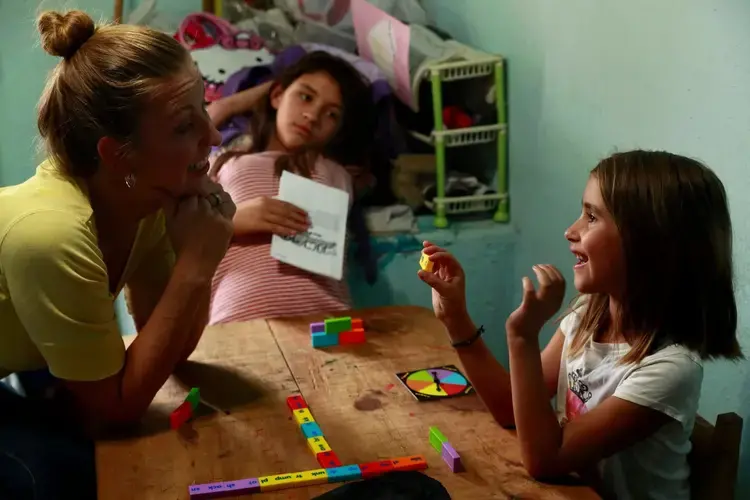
{"type": "Point", "coordinates": [130, 180]}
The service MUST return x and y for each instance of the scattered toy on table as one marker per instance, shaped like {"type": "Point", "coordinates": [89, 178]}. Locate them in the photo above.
{"type": "Point", "coordinates": [332, 472]}
{"type": "Point", "coordinates": [447, 452]}
{"type": "Point", "coordinates": [337, 331]}
{"type": "Point", "coordinates": [435, 383]}
{"type": "Point", "coordinates": [425, 263]}
{"type": "Point", "coordinates": [184, 412]}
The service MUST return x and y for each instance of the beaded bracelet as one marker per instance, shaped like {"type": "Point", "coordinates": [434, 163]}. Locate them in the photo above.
{"type": "Point", "coordinates": [471, 340]}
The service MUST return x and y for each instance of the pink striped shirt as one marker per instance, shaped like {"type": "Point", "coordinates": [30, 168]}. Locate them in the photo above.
{"type": "Point", "coordinates": [251, 284]}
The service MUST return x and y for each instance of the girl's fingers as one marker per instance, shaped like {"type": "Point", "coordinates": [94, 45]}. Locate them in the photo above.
{"type": "Point", "coordinates": [541, 275]}
{"type": "Point", "coordinates": [445, 260]}
{"type": "Point", "coordinates": [529, 294]}
{"type": "Point", "coordinates": [287, 226]}
{"type": "Point", "coordinates": [429, 250]}
{"type": "Point", "coordinates": [439, 285]}
{"type": "Point", "coordinates": [557, 273]}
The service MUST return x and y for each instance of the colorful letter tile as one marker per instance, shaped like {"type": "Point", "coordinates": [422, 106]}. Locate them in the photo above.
{"type": "Point", "coordinates": [345, 473]}
{"type": "Point", "coordinates": [303, 416]}
{"type": "Point", "coordinates": [318, 444]}
{"type": "Point", "coordinates": [277, 482]}
{"type": "Point", "coordinates": [311, 430]}
{"type": "Point", "coordinates": [328, 460]}
{"type": "Point", "coordinates": [373, 469]}
{"type": "Point", "coordinates": [296, 402]}
{"type": "Point", "coordinates": [414, 462]}
{"type": "Point", "coordinates": [310, 477]}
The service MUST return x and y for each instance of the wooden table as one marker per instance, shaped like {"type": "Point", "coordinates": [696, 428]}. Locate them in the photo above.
{"type": "Point", "coordinates": [353, 393]}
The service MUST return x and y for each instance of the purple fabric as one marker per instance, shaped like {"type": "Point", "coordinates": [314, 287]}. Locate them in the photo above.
{"type": "Point", "coordinates": [380, 86]}
{"type": "Point", "coordinates": [252, 76]}
{"type": "Point", "coordinates": [241, 80]}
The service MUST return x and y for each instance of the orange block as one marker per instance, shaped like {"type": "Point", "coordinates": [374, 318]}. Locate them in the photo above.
{"type": "Point", "coordinates": [414, 462]}
{"type": "Point", "coordinates": [352, 337]}
{"type": "Point", "coordinates": [357, 323]}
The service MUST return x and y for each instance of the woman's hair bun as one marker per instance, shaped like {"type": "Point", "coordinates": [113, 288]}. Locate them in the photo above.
{"type": "Point", "coordinates": [62, 34]}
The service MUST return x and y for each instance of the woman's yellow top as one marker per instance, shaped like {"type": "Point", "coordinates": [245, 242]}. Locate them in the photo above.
{"type": "Point", "coordinates": [56, 309]}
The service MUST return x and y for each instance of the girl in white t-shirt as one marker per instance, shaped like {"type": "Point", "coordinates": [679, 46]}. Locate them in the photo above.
{"type": "Point", "coordinates": [653, 249]}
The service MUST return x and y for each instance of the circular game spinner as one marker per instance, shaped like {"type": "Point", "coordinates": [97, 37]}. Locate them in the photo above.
{"type": "Point", "coordinates": [437, 382]}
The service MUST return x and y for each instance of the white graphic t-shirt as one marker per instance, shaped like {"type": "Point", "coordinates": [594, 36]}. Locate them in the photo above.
{"type": "Point", "coordinates": [668, 381]}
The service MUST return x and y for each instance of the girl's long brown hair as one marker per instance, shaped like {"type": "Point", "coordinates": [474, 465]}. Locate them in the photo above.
{"type": "Point", "coordinates": [673, 218]}
{"type": "Point", "coordinates": [353, 141]}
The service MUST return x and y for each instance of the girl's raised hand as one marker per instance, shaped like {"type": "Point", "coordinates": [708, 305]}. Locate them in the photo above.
{"type": "Point", "coordinates": [448, 284]}
{"type": "Point", "coordinates": [538, 306]}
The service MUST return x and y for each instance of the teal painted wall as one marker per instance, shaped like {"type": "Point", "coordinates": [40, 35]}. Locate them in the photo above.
{"type": "Point", "coordinates": [586, 78]}
{"type": "Point", "coordinates": [589, 77]}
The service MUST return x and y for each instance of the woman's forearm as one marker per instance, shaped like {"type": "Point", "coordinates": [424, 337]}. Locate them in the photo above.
{"type": "Point", "coordinates": [200, 325]}
{"type": "Point", "coordinates": [487, 375]}
{"type": "Point", "coordinates": [163, 341]}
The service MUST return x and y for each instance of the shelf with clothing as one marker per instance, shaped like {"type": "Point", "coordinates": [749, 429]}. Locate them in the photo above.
{"type": "Point", "coordinates": [441, 137]}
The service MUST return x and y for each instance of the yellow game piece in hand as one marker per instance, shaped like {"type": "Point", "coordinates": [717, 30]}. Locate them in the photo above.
{"type": "Point", "coordinates": [425, 263]}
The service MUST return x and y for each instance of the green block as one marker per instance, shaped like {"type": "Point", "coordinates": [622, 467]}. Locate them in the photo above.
{"type": "Point", "coordinates": [338, 325]}
{"type": "Point", "coordinates": [439, 436]}
{"type": "Point", "coordinates": [194, 397]}
{"type": "Point", "coordinates": [435, 442]}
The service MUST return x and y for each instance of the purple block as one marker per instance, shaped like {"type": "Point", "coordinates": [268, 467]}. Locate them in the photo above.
{"type": "Point", "coordinates": [450, 451]}
{"type": "Point", "coordinates": [452, 458]}
{"type": "Point", "coordinates": [317, 327]}
{"type": "Point", "coordinates": [225, 489]}
{"type": "Point", "coordinates": [243, 486]}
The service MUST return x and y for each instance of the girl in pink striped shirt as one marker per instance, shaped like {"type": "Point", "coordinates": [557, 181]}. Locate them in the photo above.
{"type": "Point", "coordinates": [316, 116]}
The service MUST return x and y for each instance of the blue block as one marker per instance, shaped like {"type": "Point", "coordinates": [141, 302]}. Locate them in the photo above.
{"type": "Point", "coordinates": [325, 340]}
{"type": "Point", "coordinates": [311, 429]}
{"type": "Point", "coordinates": [345, 473]}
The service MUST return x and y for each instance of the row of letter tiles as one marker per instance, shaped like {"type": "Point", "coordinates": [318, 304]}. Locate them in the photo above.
{"type": "Point", "coordinates": [306, 478]}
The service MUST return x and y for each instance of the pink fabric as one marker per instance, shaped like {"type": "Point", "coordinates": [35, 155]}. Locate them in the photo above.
{"type": "Point", "coordinates": [249, 283]}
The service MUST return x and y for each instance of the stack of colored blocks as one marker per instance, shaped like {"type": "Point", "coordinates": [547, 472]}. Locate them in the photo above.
{"type": "Point", "coordinates": [332, 471]}
{"type": "Point", "coordinates": [337, 331]}
{"type": "Point", "coordinates": [446, 450]}
{"type": "Point", "coordinates": [184, 412]}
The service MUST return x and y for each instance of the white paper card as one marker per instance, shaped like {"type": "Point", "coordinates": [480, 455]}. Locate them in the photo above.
{"type": "Point", "coordinates": [321, 249]}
